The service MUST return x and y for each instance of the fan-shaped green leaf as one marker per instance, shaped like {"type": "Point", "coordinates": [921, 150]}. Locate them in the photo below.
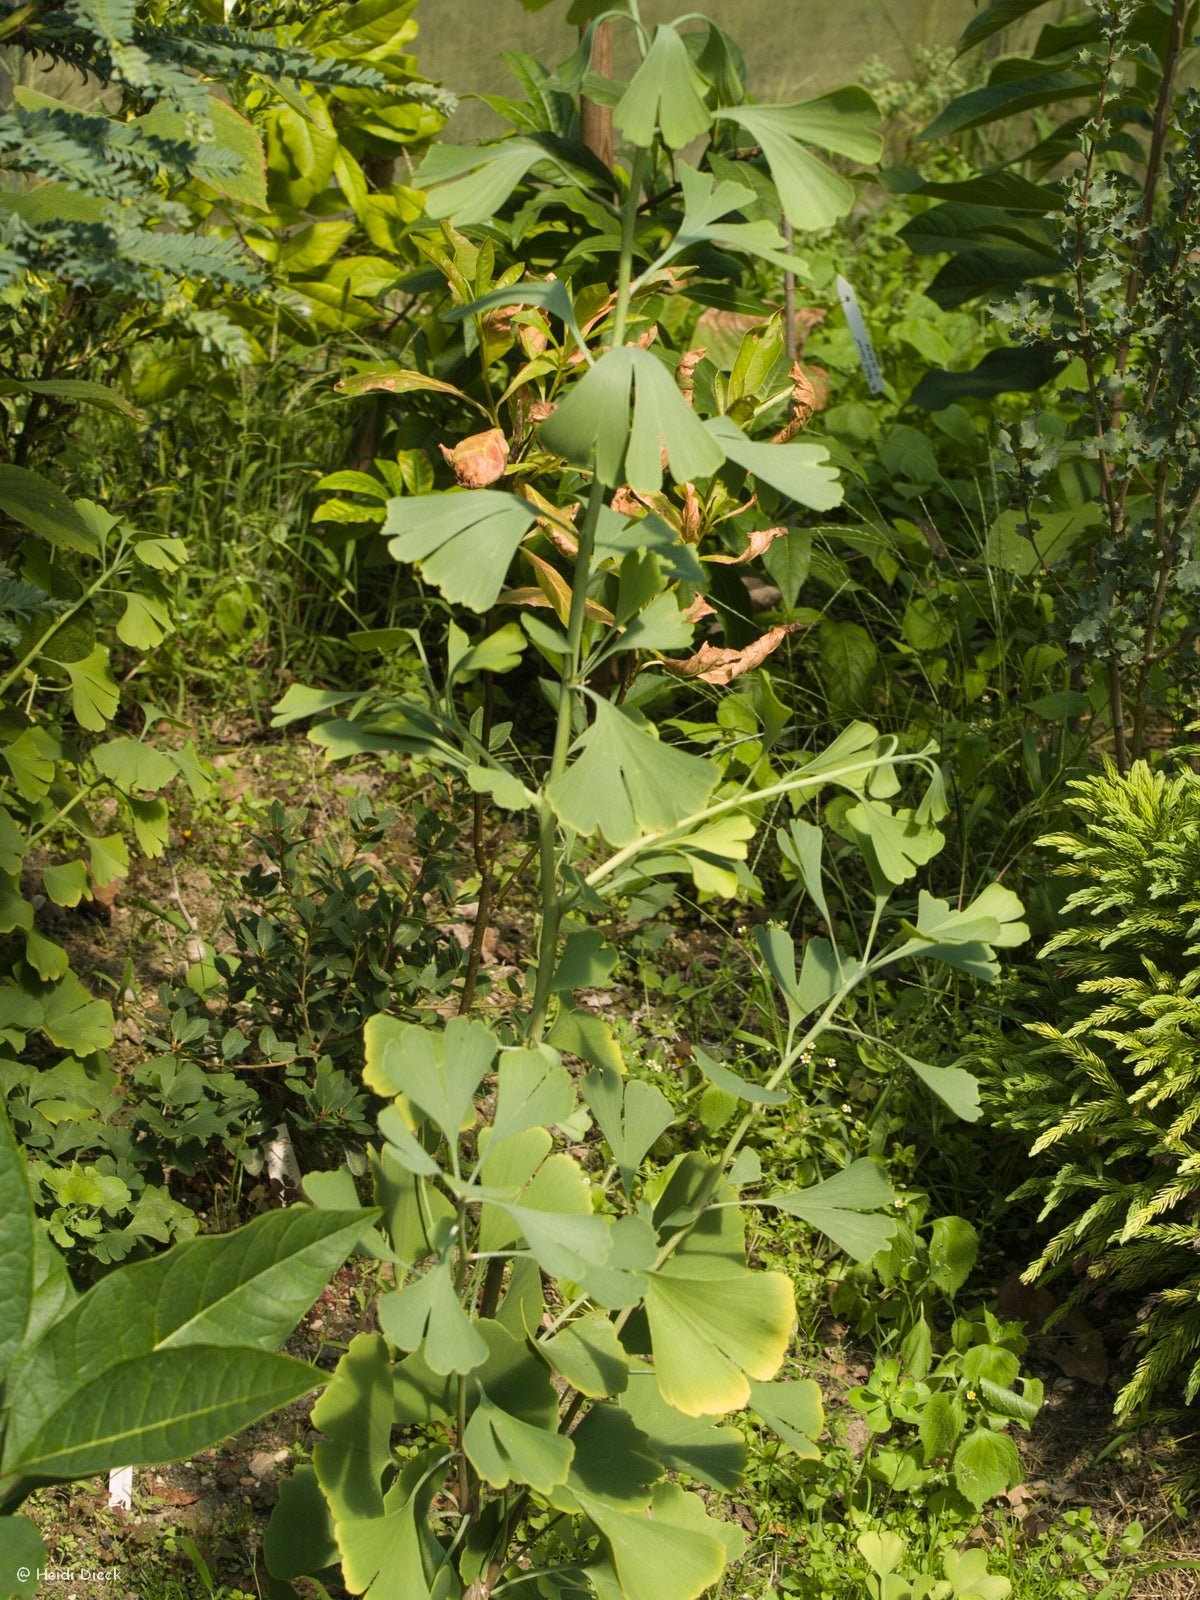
{"type": "Point", "coordinates": [837, 1207]}
{"type": "Point", "coordinates": [666, 95]}
{"type": "Point", "coordinates": [713, 1327]}
{"type": "Point", "coordinates": [463, 541]}
{"type": "Point", "coordinates": [625, 783]}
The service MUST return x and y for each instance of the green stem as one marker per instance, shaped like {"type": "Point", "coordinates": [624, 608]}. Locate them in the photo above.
{"type": "Point", "coordinates": [552, 900]}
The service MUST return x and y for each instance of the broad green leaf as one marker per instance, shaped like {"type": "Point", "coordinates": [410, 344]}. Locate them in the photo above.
{"type": "Point", "coordinates": [470, 184]}
{"type": "Point", "coordinates": [706, 202]}
{"type": "Point", "coordinates": [416, 1215]}
{"type": "Point", "coordinates": [158, 1407]}
{"type": "Point", "coordinates": [803, 844]}
{"type": "Point", "coordinates": [839, 1206]}
{"type": "Point", "coordinates": [799, 470]}
{"type": "Point", "coordinates": [940, 1425]}
{"type": "Point", "coordinates": [301, 701]}
{"type": "Point", "coordinates": [985, 1465]}
{"type": "Point", "coordinates": [625, 783]}
{"type": "Point", "coordinates": [694, 1446]}
{"type": "Point", "coordinates": [31, 758]}
{"type": "Point", "coordinates": [731, 1084]}
{"type": "Point", "coordinates": [713, 1327]}
{"type": "Point", "coordinates": [883, 1552]}
{"type": "Point", "coordinates": [73, 1020]}
{"type": "Point", "coordinates": [953, 1248]}
{"type": "Point", "coordinates": [247, 1289]}
{"type": "Point", "coordinates": [94, 692]}
{"type": "Point", "coordinates": [586, 962]}
{"type": "Point", "coordinates": [845, 122]}
{"type": "Point", "coordinates": [967, 1574]}
{"type": "Point", "coordinates": [900, 844]}
{"type": "Point", "coordinates": [439, 1070]}
{"type": "Point", "coordinates": [675, 1553]}
{"type": "Point", "coordinates": [427, 1315]}
{"type": "Point", "coordinates": [299, 1537]}
{"type": "Point", "coordinates": [130, 764]}
{"type": "Point", "coordinates": [22, 1550]}
{"type": "Point", "coordinates": [49, 960]}
{"type": "Point", "coordinates": [613, 1463]}
{"type": "Point", "coordinates": [12, 845]}
{"type": "Point", "coordinates": [621, 417]}
{"type": "Point", "coordinates": [967, 938]}
{"type": "Point", "coordinates": [78, 391]}
{"type": "Point", "coordinates": [403, 1145]}
{"type": "Point", "coordinates": [589, 1356]}
{"type": "Point", "coordinates": [554, 1214]}
{"type": "Point", "coordinates": [792, 1410]}
{"type": "Point", "coordinates": [53, 1292]}
{"type": "Point", "coordinates": [534, 1090]}
{"type": "Point", "coordinates": [355, 1416]}
{"type": "Point", "coordinates": [15, 911]}
{"type": "Point", "coordinates": [954, 1087]}
{"type": "Point", "coordinates": [384, 1556]}
{"type": "Point", "coordinates": [144, 623]}
{"type": "Point", "coordinates": [388, 380]}
{"type": "Point", "coordinates": [997, 15]}
{"type": "Point", "coordinates": [17, 1245]}
{"type": "Point", "coordinates": [1008, 98]}
{"type": "Point", "coordinates": [551, 297]}
{"type": "Point", "coordinates": [504, 1449]}
{"type": "Point", "coordinates": [848, 660]}
{"type": "Point", "coordinates": [37, 504]}
{"type": "Point", "coordinates": [462, 540]}
{"type": "Point", "coordinates": [67, 883]}
{"type": "Point", "coordinates": [665, 95]}
{"type": "Point", "coordinates": [632, 1116]}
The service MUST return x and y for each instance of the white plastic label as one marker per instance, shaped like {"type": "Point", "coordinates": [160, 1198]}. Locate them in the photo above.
{"type": "Point", "coordinates": [120, 1489]}
{"type": "Point", "coordinates": [858, 332]}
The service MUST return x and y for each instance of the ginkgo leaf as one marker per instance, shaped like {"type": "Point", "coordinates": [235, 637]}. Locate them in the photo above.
{"type": "Point", "coordinates": [463, 541]}
{"type": "Point", "coordinates": [589, 1355]}
{"type": "Point", "coordinates": [839, 1208]}
{"type": "Point", "coordinates": [439, 1070]}
{"type": "Point", "coordinates": [94, 692]}
{"type": "Point", "coordinates": [625, 783]}
{"type": "Point", "coordinates": [714, 1325]}
{"type": "Point", "coordinates": [675, 1553]}
{"type": "Point", "coordinates": [966, 939]}
{"type": "Point", "coordinates": [899, 843]}
{"type": "Point", "coordinates": [798, 469]}
{"type": "Point", "coordinates": [729, 1083]}
{"type": "Point", "coordinates": [665, 95]}
{"type": "Point", "coordinates": [470, 183]}
{"type": "Point", "coordinates": [794, 1411]}
{"type": "Point", "coordinates": [845, 122]}
{"type": "Point", "coordinates": [427, 1315]}
{"type": "Point", "coordinates": [504, 1449]}
{"type": "Point", "coordinates": [622, 415]}
{"type": "Point", "coordinates": [707, 201]}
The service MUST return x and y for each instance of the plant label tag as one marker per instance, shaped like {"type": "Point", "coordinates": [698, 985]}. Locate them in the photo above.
{"type": "Point", "coordinates": [120, 1489]}
{"type": "Point", "coordinates": [858, 332]}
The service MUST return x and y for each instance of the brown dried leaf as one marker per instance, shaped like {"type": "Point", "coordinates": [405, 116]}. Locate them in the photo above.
{"type": "Point", "coordinates": [714, 664]}
{"type": "Point", "coordinates": [479, 459]}
{"type": "Point", "coordinates": [760, 540]}
{"type": "Point", "coordinates": [697, 611]}
{"type": "Point", "coordinates": [685, 374]}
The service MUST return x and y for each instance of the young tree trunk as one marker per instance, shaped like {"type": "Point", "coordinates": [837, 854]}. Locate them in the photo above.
{"type": "Point", "coordinates": [597, 120]}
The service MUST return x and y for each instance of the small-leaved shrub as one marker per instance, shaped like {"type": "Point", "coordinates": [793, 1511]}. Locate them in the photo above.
{"type": "Point", "coordinates": [1103, 1081]}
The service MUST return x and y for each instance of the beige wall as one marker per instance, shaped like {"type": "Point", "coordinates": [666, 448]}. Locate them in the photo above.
{"type": "Point", "coordinates": [793, 48]}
